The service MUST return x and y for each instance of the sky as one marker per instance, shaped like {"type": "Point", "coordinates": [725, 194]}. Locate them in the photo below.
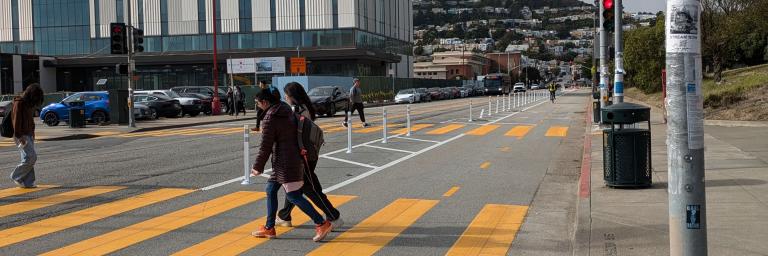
{"type": "Point", "coordinates": [651, 6]}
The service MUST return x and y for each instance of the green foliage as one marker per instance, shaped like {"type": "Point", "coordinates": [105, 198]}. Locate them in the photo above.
{"type": "Point", "coordinates": [644, 57]}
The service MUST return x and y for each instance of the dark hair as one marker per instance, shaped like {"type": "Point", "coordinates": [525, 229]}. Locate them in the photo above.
{"type": "Point", "coordinates": [297, 92]}
{"type": "Point", "coordinates": [269, 94]}
{"type": "Point", "coordinates": [33, 95]}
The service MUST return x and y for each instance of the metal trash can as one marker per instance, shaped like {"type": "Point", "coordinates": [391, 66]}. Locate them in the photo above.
{"type": "Point", "coordinates": [596, 112]}
{"type": "Point", "coordinates": [77, 114]}
{"type": "Point", "coordinates": [627, 145]}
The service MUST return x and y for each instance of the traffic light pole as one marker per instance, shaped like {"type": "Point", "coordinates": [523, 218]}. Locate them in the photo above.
{"type": "Point", "coordinates": [131, 65]}
{"type": "Point", "coordinates": [604, 74]}
{"type": "Point", "coordinates": [685, 129]}
{"type": "Point", "coordinates": [618, 84]}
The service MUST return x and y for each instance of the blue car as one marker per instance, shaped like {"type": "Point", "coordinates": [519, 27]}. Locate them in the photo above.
{"type": "Point", "coordinates": [96, 108]}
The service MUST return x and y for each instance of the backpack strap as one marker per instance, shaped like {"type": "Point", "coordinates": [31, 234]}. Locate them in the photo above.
{"type": "Point", "coordinates": [300, 129]}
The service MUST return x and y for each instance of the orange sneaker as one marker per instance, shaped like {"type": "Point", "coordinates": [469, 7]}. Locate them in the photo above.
{"type": "Point", "coordinates": [321, 231]}
{"type": "Point", "coordinates": [263, 232]}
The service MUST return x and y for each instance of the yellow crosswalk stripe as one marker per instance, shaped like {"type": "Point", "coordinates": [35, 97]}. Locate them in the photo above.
{"type": "Point", "coordinates": [375, 128]}
{"type": "Point", "coordinates": [445, 129]}
{"type": "Point", "coordinates": [375, 232]}
{"type": "Point", "coordinates": [519, 131]}
{"type": "Point", "coordinates": [483, 130]}
{"type": "Point", "coordinates": [414, 128]}
{"type": "Point", "coordinates": [485, 165]}
{"type": "Point", "coordinates": [557, 131]}
{"type": "Point", "coordinates": [491, 232]}
{"type": "Point", "coordinates": [20, 191]}
{"type": "Point", "coordinates": [239, 240]}
{"type": "Point", "coordinates": [342, 128]}
{"type": "Point", "coordinates": [16, 208]}
{"type": "Point", "coordinates": [229, 131]}
{"type": "Point", "coordinates": [62, 222]}
{"type": "Point", "coordinates": [148, 229]}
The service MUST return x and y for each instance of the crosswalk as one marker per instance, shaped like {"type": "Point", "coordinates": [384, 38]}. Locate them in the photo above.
{"type": "Point", "coordinates": [491, 232]}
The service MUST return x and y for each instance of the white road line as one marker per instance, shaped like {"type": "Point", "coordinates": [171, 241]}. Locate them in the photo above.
{"type": "Point", "coordinates": [224, 183]}
{"type": "Point", "coordinates": [414, 139]}
{"type": "Point", "coordinates": [371, 172]}
{"type": "Point", "coordinates": [350, 162]}
{"type": "Point", "coordinates": [391, 149]}
{"type": "Point", "coordinates": [358, 145]}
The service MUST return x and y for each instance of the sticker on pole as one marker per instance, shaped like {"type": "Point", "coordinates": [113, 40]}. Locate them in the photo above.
{"type": "Point", "coordinates": [693, 216]}
{"type": "Point", "coordinates": [683, 28]}
{"type": "Point", "coordinates": [695, 116]}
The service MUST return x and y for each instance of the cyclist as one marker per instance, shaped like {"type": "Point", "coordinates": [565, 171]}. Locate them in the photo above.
{"type": "Point", "coordinates": [552, 90]}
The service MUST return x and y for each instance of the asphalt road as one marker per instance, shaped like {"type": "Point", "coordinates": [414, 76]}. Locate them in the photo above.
{"type": "Point", "coordinates": [501, 185]}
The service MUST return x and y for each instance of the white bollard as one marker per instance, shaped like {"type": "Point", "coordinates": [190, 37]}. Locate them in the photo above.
{"type": "Point", "coordinates": [490, 108]}
{"type": "Point", "coordinates": [482, 112]}
{"type": "Point", "coordinates": [384, 121]}
{"type": "Point", "coordinates": [246, 155]}
{"type": "Point", "coordinates": [470, 110]}
{"type": "Point", "coordinates": [497, 104]}
{"type": "Point", "coordinates": [408, 119]}
{"type": "Point", "coordinates": [349, 133]}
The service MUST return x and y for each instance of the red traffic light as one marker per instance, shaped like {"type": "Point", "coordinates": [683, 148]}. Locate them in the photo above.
{"type": "Point", "coordinates": [607, 4]}
{"type": "Point", "coordinates": [117, 29]}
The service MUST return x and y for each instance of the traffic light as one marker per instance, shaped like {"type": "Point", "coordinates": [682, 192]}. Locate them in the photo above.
{"type": "Point", "coordinates": [608, 15]}
{"type": "Point", "coordinates": [138, 40]}
{"type": "Point", "coordinates": [119, 44]}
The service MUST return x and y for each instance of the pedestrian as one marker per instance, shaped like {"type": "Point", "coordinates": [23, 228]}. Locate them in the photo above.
{"type": "Point", "coordinates": [280, 137]}
{"type": "Point", "coordinates": [355, 103]}
{"type": "Point", "coordinates": [230, 101]}
{"type": "Point", "coordinates": [22, 118]}
{"type": "Point", "coordinates": [299, 100]}
{"type": "Point", "coordinates": [239, 101]}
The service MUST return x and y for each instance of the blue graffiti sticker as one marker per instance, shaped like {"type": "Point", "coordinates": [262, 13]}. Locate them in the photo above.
{"type": "Point", "coordinates": [693, 216]}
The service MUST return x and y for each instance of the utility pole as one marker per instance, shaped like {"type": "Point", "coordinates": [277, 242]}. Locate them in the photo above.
{"type": "Point", "coordinates": [685, 129]}
{"type": "Point", "coordinates": [131, 65]}
{"type": "Point", "coordinates": [595, 48]}
{"type": "Point", "coordinates": [618, 79]}
{"type": "Point", "coordinates": [604, 74]}
{"type": "Point", "coordinates": [216, 108]}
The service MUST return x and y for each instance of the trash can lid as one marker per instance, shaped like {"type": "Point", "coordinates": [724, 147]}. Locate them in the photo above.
{"type": "Point", "coordinates": [626, 113]}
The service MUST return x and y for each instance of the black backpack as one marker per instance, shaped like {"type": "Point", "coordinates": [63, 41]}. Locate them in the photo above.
{"type": "Point", "coordinates": [310, 137]}
{"type": "Point", "coordinates": [6, 128]}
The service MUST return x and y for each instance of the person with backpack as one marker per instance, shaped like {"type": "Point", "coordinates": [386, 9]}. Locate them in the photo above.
{"type": "Point", "coordinates": [22, 124]}
{"type": "Point", "coordinates": [279, 139]}
{"type": "Point", "coordinates": [302, 106]}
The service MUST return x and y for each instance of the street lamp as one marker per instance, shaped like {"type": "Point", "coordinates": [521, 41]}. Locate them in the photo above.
{"type": "Point", "coordinates": [216, 102]}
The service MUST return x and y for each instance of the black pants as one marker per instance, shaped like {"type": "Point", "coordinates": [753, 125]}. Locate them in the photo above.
{"type": "Point", "coordinates": [351, 109]}
{"type": "Point", "coordinates": [314, 191]}
{"type": "Point", "coordinates": [551, 95]}
{"type": "Point", "coordinates": [240, 107]}
{"type": "Point", "coordinates": [230, 107]}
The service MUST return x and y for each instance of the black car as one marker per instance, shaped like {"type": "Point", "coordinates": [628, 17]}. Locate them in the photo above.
{"type": "Point", "coordinates": [204, 90]}
{"type": "Point", "coordinates": [162, 105]}
{"type": "Point", "coordinates": [204, 99]}
{"type": "Point", "coordinates": [328, 99]}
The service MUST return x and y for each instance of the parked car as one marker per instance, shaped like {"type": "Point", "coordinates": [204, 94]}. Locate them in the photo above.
{"type": "Point", "coordinates": [465, 92]}
{"type": "Point", "coordinates": [96, 108]}
{"type": "Point", "coordinates": [407, 96]}
{"type": "Point", "coordinates": [162, 105]}
{"type": "Point", "coordinates": [5, 106]}
{"type": "Point", "coordinates": [435, 93]}
{"type": "Point", "coordinates": [535, 86]}
{"type": "Point", "coordinates": [424, 95]}
{"type": "Point", "coordinates": [190, 106]}
{"type": "Point", "coordinates": [141, 111]}
{"type": "Point", "coordinates": [204, 90]}
{"type": "Point", "coordinates": [447, 93]}
{"type": "Point", "coordinates": [205, 99]}
{"type": "Point", "coordinates": [328, 99]}
{"type": "Point", "coordinates": [519, 87]}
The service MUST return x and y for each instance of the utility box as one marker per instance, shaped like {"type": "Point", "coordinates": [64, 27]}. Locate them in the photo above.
{"type": "Point", "coordinates": [627, 145]}
{"type": "Point", "coordinates": [77, 114]}
{"type": "Point", "coordinates": [118, 106]}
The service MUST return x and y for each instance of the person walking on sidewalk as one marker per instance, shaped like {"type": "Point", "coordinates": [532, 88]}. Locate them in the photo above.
{"type": "Point", "coordinates": [355, 103]}
{"type": "Point", "coordinates": [552, 91]}
{"type": "Point", "coordinates": [239, 100]}
{"type": "Point", "coordinates": [230, 101]}
{"type": "Point", "coordinates": [22, 119]}
{"type": "Point", "coordinates": [302, 105]}
{"type": "Point", "coordinates": [279, 136]}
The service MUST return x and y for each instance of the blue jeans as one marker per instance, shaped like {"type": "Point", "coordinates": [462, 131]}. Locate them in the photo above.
{"type": "Point", "coordinates": [294, 197]}
{"type": "Point", "coordinates": [25, 171]}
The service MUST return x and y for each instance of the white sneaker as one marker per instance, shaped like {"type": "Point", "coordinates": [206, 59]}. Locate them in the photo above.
{"type": "Point", "coordinates": [283, 223]}
{"type": "Point", "coordinates": [337, 224]}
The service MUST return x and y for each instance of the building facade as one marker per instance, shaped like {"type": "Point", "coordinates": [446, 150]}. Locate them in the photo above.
{"type": "Point", "coordinates": [338, 37]}
{"type": "Point", "coordinates": [452, 65]}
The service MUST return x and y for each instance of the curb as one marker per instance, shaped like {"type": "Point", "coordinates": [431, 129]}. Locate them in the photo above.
{"type": "Point", "coordinates": [149, 129]}
{"type": "Point", "coordinates": [583, 233]}
{"type": "Point", "coordinates": [728, 123]}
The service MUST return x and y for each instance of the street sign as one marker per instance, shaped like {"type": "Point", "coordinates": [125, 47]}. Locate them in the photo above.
{"type": "Point", "coordinates": [298, 65]}
{"type": "Point", "coordinates": [270, 65]}
{"type": "Point", "coordinates": [241, 66]}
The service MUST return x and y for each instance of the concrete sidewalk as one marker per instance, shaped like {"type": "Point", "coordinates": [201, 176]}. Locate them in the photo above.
{"type": "Point", "coordinates": [635, 221]}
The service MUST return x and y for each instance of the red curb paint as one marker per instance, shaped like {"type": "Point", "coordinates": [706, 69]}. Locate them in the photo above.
{"type": "Point", "coordinates": [586, 159]}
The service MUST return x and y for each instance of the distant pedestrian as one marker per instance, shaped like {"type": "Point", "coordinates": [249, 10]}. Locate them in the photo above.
{"type": "Point", "coordinates": [22, 118]}
{"type": "Point", "coordinates": [239, 101]}
{"type": "Point", "coordinates": [279, 136]}
{"type": "Point", "coordinates": [297, 97]}
{"type": "Point", "coordinates": [230, 101]}
{"type": "Point", "coordinates": [355, 103]}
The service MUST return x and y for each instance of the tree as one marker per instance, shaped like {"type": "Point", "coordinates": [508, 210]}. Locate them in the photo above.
{"type": "Point", "coordinates": [734, 31]}
{"type": "Point", "coordinates": [419, 50]}
{"type": "Point", "coordinates": [645, 56]}
{"type": "Point", "coordinates": [498, 33]}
